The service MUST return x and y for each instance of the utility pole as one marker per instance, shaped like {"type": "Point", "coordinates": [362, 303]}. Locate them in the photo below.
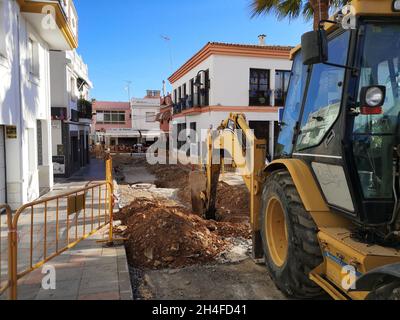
{"type": "Point", "coordinates": [128, 89]}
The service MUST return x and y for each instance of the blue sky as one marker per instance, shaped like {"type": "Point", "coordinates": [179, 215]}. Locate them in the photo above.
{"type": "Point", "coordinates": [121, 39]}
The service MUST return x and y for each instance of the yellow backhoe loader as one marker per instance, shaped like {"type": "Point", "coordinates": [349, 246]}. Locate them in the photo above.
{"type": "Point", "coordinates": [325, 213]}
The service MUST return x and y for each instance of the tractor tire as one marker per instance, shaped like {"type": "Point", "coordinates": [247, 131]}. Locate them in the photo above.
{"type": "Point", "coordinates": [289, 236]}
{"type": "Point", "coordinates": [389, 291]}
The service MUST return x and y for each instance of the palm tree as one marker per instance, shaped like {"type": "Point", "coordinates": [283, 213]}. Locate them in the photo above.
{"type": "Point", "coordinates": [294, 8]}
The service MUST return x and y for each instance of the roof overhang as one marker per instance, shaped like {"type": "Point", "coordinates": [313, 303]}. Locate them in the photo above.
{"type": "Point", "coordinates": [54, 29]}
{"type": "Point", "coordinates": [230, 50]}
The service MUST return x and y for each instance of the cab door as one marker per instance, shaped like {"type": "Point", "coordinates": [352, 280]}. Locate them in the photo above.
{"type": "Point", "coordinates": [291, 114]}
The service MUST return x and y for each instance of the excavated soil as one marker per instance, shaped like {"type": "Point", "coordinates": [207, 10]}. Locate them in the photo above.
{"type": "Point", "coordinates": [233, 202]}
{"type": "Point", "coordinates": [162, 235]}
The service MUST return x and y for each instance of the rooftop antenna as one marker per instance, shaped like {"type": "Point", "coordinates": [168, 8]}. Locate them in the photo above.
{"type": "Point", "coordinates": [128, 89]}
{"type": "Point", "coordinates": [167, 39]}
{"type": "Point", "coordinates": [163, 88]}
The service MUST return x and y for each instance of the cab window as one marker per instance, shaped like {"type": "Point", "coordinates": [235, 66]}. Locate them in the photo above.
{"type": "Point", "coordinates": [375, 136]}
{"type": "Point", "coordinates": [291, 114]}
{"type": "Point", "coordinates": [324, 96]}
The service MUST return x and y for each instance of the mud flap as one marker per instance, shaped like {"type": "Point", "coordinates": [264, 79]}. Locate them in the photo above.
{"type": "Point", "coordinates": [258, 249]}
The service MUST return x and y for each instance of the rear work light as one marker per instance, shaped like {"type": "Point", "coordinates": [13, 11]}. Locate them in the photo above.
{"type": "Point", "coordinates": [372, 100]}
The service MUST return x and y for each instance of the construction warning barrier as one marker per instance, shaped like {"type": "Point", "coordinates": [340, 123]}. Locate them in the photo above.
{"type": "Point", "coordinates": [42, 230]}
{"type": "Point", "coordinates": [5, 228]}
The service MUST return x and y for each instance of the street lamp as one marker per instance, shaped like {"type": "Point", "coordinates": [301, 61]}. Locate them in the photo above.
{"type": "Point", "coordinates": [198, 83]}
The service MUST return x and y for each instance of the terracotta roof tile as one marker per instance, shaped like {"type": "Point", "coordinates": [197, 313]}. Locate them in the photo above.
{"type": "Point", "coordinates": [233, 49]}
{"type": "Point", "coordinates": [267, 47]}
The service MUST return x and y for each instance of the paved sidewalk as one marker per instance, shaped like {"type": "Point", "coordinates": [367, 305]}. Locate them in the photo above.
{"type": "Point", "coordinates": [88, 271]}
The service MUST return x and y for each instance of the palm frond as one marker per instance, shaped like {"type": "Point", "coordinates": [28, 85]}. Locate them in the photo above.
{"type": "Point", "coordinates": [261, 7]}
{"type": "Point", "coordinates": [289, 8]}
{"type": "Point", "coordinates": [308, 11]}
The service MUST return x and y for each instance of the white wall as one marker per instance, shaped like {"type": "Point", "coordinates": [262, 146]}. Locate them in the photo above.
{"type": "Point", "coordinates": [56, 131]}
{"type": "Point", "coordinates": [207, 64]}
{"type": "Point", "coordinates": [64, 66]}
{"type": "Point", "coordinates": [10, 113]}
{"type": "Point", "coordinates": [9, 65]}
{"type": "Point", "coordinates": [230, 77]}
{"type": "Point", "coordinates": [230, 86]}
{"type": "Point", "coordinates": [36, 97]}
{"type": "Point", "coordinates": [231, 83]}
{"type": "Point", "coordinates": [139, 109]}
{"type": "Point", "coordinates": [59, 94]}
{"type": "Point", "coordinates": [20, 91]}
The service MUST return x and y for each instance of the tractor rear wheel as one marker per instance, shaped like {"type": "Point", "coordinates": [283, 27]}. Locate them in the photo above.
{"type": "Point", "coordinates": [289, 237]}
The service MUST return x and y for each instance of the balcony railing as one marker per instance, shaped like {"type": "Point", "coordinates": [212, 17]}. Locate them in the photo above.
{"type": "Point", "coordinates": [85, 109]}
{"type": "Point", "coordinates": [260, 98]}
{"type": "Point", "coordinates": [183, 104]}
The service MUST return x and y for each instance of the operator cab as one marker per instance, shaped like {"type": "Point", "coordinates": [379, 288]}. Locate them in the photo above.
{"type": "Point", "coordinates": [342, 117]}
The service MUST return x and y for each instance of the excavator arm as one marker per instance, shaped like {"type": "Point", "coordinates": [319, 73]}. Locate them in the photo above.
{"type": "Point", "coordinates": [234, 141]}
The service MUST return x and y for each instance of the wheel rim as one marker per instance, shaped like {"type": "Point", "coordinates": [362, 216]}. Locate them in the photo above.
{"type": "Point", "coordinates": [276, 231]}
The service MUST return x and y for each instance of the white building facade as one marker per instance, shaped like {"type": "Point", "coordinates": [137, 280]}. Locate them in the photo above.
{"type": "Point", "coordinates": [233, 78]}
{"type": "Point", "coordinates": [27, 34]}
{"type": "Point", "coordinates": [144, 113]}
{"type": "Point", "coordinates": [71, 112]}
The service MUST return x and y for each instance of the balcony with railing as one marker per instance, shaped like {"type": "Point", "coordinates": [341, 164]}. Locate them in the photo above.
{"type": "Point", "coordinates": [259, 98]}
{"type": "Point", "coordinates": [56, 21]}
{"type": "Point", "coordinates": [85, 109]}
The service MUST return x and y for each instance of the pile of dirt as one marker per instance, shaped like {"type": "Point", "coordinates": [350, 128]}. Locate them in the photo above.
{"type": "Point", "coordinates": [163, 235]}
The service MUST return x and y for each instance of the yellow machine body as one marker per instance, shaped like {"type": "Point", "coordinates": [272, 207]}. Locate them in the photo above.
{"type": "Point", "coordinates": [337, 245]}
{"type": "Point", "coordinates": [339, 248]}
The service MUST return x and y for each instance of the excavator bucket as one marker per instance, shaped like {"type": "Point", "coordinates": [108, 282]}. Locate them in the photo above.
{"type": "Point", "coordinates": [198, 188]}
{"type": "Point", "coordinates": [204, 196]}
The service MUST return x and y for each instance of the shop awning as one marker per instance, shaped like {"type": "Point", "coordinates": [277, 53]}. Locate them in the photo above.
{"type": "Point", "coordinates": [151, 135]}
{"type": "Point", "coordinates": [122, 133]}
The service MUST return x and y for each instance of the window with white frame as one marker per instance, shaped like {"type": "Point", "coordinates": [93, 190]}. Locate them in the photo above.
{"type": "Point", "coordinates": [33, 57]}
{"type": "Point", "coordinates": [110, 117]}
